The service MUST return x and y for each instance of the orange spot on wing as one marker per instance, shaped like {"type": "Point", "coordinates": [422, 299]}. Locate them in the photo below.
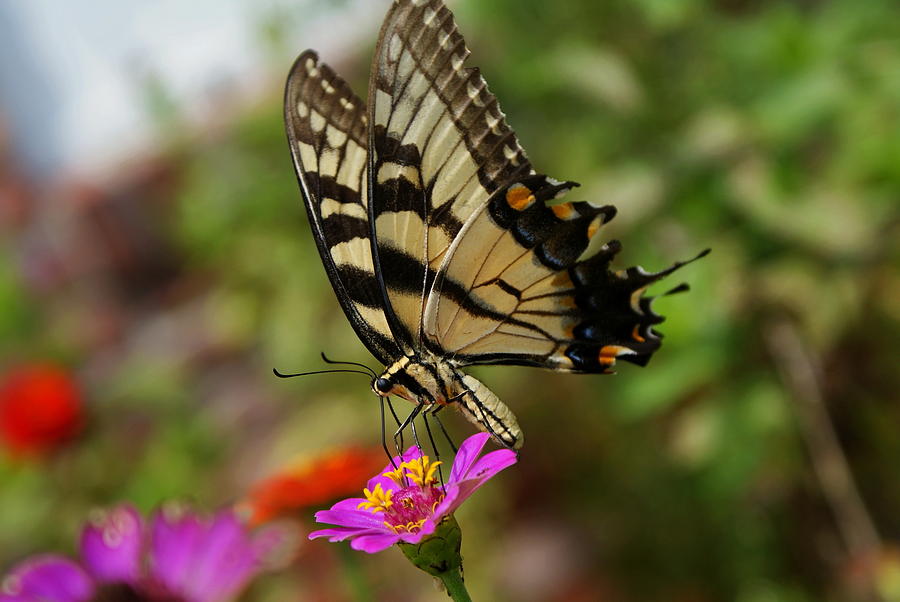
{"type": "Point", "coordinates": [615, 350]}
{"type": "Point", "coordinates": [637, 335]}
{"type": "Point", "coordinates": [594, 226]}
{"type": "Point", "coordinates": [562, 280]}
{"type": "Point", "coordinates": [564, 211]}
{"type": "Point", "coordinates": [519, 197]}
{"type": "Point", "coordinates": [609, 353]}
{"type": "Point", "coordinates": [568, 302]}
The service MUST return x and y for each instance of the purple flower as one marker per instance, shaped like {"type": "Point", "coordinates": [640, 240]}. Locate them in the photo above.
{"type": "Point", "coordinates": [178, 557]}
{"type": "Point", "coordinates": [405, 504]}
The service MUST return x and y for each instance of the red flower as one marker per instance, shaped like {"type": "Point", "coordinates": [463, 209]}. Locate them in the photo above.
{"type": "Point", "coordinates": [40, 408]}
{"type": "Point", "coordinates": [312, 482]}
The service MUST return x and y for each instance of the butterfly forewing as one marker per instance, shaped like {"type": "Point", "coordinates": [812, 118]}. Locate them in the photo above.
{"type": "Point", "coordinates": [440, 147]}
{"type": "Point", "coordinates": [326, 126]}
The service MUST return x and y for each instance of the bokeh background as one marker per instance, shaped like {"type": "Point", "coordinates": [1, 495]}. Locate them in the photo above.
{"type": "Point", "coordinates": [156, 258]}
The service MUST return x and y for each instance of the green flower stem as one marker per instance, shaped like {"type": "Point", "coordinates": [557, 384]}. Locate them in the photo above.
{"type": "Point", "coordinates": [439, 556]}
{"type": "Point", "coordinates": [456, 589]}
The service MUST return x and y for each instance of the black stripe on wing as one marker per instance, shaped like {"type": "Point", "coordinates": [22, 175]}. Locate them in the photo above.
{"type": "Point", "coordinates": [440, 146]}
{"type": "Point", "coordinates": [428, 32]}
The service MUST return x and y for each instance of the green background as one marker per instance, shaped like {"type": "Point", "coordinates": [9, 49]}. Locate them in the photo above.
{"type": "Point", "coordinates": [768, 131]}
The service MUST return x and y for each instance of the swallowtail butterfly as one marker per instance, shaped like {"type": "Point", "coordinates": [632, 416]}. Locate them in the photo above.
{"type": "Point", "coordinates": [445, 247]}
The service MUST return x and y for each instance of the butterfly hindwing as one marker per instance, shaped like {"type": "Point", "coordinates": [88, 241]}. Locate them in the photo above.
{"type": "Point", "coordinates": [327, 133]}
{"type": "Point", "coordinates": [515, 288]}
{"type": "Point", "coordinates": [440, 147]}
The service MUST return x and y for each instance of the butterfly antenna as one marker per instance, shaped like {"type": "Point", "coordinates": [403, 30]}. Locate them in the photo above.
{"type": "Point", "coordinates": [282, 375]}
{"type": "Point", "coordinates": [328, 360]}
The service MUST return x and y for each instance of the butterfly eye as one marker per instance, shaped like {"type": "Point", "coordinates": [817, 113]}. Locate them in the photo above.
{"type": "Point", "coordinates": [382, 386]}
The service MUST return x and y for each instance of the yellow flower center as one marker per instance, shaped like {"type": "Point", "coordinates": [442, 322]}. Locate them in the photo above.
{"type": "Point", "coordinates": [421, 471]}
{"type": "Point", "coordinates": [406, 507]}
{"type": "Point", "coordinates": [378, 500]}
{"type": "Point", "coordinates": [410, 527]}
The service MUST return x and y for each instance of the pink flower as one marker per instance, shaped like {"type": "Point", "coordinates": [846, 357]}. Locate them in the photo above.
{"type": "Point", "coordinates": [405, 504]}
{"type": "Point", "coordinates": [178, 557]}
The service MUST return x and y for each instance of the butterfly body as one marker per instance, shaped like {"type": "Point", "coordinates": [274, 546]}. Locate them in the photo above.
{"type": "Point", "coordinates": [434, 383]}
{"type": "Point", "coordinates": [444, 246]}
{"type": "Point", "coordinates": [427, 382]}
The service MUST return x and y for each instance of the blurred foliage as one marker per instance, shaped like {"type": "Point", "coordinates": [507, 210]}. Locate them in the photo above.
{"type": "Point", "coordinates": [765, 130]}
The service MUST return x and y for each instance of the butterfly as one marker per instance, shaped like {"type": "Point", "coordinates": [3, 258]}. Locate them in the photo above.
{"type": "Point", "coordinates": [444, 246]}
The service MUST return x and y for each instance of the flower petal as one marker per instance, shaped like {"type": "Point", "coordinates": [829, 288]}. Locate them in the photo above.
{"type": "Point", "coordinates": [351, 503]}
{"type": "Point", "coordinates": [466, 456]}
{"type": "Point", "coordinates": [492, 463]}
{"type": "Point", "coordinates": [273, 542]}
{"type": "Point", "coordinates": [311, 481]}
{"type": "Point", "coordinates": [477, 475]}
{"type": "Point", "coordinates": [350, 518]}
{"type": "Point", "coordinates": [374, 543]}
{"type": "Point", "coordinates": [224, 561]}
{"type": "Point", "coordinates": [208, 561]}
{"type": "Point", "coordinates": [41, 407]}
{"type": "Point", "coordinates": [448, 505]}
{"type": "Point", "coordinates": [175, 533]}
{"type": "Point", "coordinates": [342, 533]}
{"type": "Point", "coordinates": [111, 545]}
{"type": "Point", "coordinates": [48, 579]}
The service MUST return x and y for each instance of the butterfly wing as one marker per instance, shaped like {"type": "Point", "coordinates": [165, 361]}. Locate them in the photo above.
{"type": "Point", "coordinates": [326, 130]}
{"type": "Point", "coordinates": [440, 148]}
{"type": "Point", "coordinates": [515, 289]}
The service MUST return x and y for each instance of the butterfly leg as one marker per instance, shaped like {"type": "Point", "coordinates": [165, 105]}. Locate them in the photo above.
{"type": "Point", "coordinates": [399, 428]}
{"type": "Point", "coordinates": [412, 426]}
{"type": "Point", "coordinates": [437, 454]}
{"type": "Point", "coordinates": [384, 435]}
{"type": "Point", "coordinates": [443, 429]}
{"type": "Point", "coordinates": [398, 435]}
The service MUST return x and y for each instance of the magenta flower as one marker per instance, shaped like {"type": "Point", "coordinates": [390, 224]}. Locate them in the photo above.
{"type": "Point", "coordinates": [406, 504]}
{"type": "Point", "coordinates": [178, 557]}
